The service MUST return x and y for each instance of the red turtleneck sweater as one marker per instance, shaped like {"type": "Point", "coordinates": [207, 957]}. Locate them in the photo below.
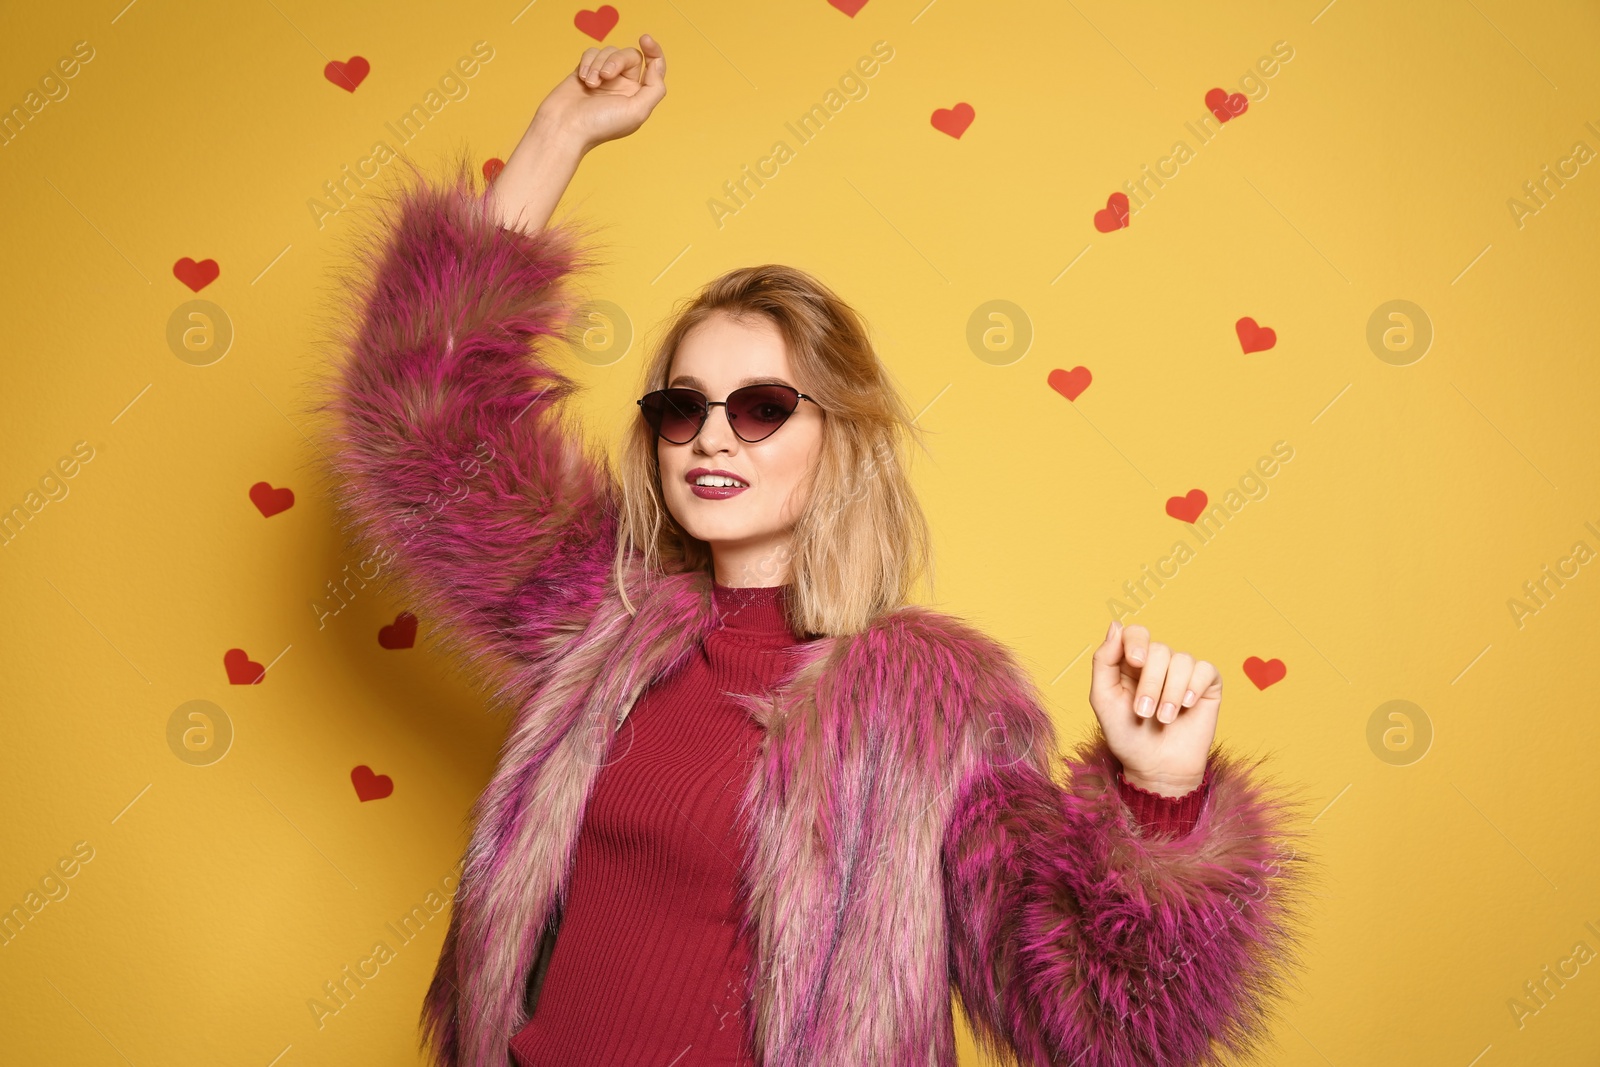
{"type": "Point", "coordinates": [647, 968]}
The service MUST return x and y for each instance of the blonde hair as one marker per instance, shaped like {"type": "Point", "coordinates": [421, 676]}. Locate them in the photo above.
{"type": "Point", "coordinates": [861, 544]}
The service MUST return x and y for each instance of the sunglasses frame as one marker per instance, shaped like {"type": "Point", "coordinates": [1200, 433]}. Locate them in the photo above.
{"type": "Point", "coordinates": [709, 404]}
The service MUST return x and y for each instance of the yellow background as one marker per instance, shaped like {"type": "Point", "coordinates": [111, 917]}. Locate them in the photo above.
{"type": "Point", "coordinates": [1378, 567]}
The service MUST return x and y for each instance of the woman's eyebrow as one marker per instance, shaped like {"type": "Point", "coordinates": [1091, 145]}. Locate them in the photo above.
{"type": "Point", "coordinates": [695, 383]}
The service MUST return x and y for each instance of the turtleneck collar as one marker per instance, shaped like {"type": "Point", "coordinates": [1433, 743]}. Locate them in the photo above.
{"type": "Point", "coordinates": [755, 611]}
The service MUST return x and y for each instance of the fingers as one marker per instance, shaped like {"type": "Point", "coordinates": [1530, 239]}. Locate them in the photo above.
{"type": "Point", "coordinates": [655, 67]}
{"type": "Point", "coordinates": [584, 61]}
{"type": "Point", "coordinates": [1106, 661]}
{"type": "Point", "coordinates": [598, 64]}
{"type": "Point", "coordinates": [1151, 677]}
{"type": "Point", "coordinates": [1204, 678]}
{"type": "Point", "coordinates": [1136, 640]}
{"type": "Point", "coordinates": [1179, 671]}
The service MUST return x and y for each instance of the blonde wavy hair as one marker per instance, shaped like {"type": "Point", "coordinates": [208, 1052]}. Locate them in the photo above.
{"type": "Point", "coordinates": [861, 544]}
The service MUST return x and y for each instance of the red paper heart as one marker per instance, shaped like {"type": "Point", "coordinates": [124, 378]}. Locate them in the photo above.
{"type": "Point", "coordinates": [347, 74]}
{"type": "Point", "coordinates": [1226, 107]}
{"type": "Point", "coordinates": [849, 7]}
{"type": "Point", "coordinates": [597, 23]}
{"type": "Point", "coordinates": [954, 120]}
{"type": "Point", "coordinates": [196, 275]}
{"type": "Point", "coordinates": [1070, 383]}
{"type": "Point", "coordinates": [1253, 338]}
{"type": "Point", "coordinates": [270, 501]}
{"type": "Point", "coordinates": [1187, 508]}
{"type": "Point", "coordinates": [402, 633]}
{"type": "Point", "coordinates": [1115, 215]}
{"type": "Point", "coordinates": [242, 670]}
{"type": "Point", "coordinates": [1264, 672]}
{"type": "Point", "coordinates": [492, 168]}
{"type": "Point", "coordinates": [370, 786]}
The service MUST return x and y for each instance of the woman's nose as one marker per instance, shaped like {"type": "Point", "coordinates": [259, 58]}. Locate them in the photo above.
{"type": "Point", "coordinates": [718, 430]}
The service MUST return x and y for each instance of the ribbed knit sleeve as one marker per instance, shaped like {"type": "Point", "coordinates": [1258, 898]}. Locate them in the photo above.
{"type": "Point", "coordinates": [1160, 814]}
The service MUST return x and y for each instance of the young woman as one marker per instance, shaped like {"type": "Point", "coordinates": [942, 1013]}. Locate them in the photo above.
{"type": "Point", "coordinates": [755, 806]}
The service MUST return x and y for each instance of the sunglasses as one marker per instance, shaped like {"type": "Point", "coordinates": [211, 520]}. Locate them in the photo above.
{"type": "Point", "coordinates": [755, 412]}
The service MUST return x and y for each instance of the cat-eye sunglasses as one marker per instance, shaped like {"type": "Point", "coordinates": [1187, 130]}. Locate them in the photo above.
{"type": "Point", "coordinates": [755, 411]}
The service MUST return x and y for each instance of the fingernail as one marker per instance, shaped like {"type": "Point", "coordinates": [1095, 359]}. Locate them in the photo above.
{"type": "Point", "coordinates": [1169, 711]}
{"type": "Point", "coordinates": [1188, 697]}
{"type": "Point", "coordinates": [1111, 630]}
{"type": "Point", "coordinates": [1144, 706]}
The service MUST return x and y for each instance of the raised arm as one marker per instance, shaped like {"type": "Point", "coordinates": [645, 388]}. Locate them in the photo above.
{"type": "Point", "coordinates": [450, 447]}
{"type": "Point", "coordinates": [1077, 936]}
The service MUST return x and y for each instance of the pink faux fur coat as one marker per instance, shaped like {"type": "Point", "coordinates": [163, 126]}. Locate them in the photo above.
{"type": "Point", "coordinates": [910, 834]}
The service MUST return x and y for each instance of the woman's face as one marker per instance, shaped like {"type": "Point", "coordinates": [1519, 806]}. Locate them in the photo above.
{"type": "Point", "coordinates": [748, 531]}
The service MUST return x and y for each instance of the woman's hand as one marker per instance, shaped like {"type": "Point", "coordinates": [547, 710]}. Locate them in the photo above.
{"type": "Point", "coordinates": [610, 93]}
{"type": "Point", "coordinates": [1158, 709]}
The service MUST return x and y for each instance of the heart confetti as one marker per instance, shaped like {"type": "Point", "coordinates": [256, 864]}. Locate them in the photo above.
{"type": "Point", "coordinates": [370, 786]}
{"type": "Point", "coordinates": [1187, 508]}
{"type": "Point", "coordinates": [1070, 383]}
{"type": "Point", "coordinates": [1253, 338]}
{"type": "Point", "coordinates": [597, 23]}
{"type": "Point", "coordinates": [402, 633]}
{"type": "Point", "coordinates": [1115, 215]}
{"type": "Point", "coordinates": [954, 120]}
{"type": "Point", "coordinates": [1226, 107]}
{"type": "Point", "coordinates": [347, 74]}
{"type": "Point", "coordinates": [242, 670]}
{"type": "Point", "coordinates": [196, 275]}
{"type": "Point", "coordinates": [270, 501]}
{"type": "Point", "coordinates": [1264, 672]}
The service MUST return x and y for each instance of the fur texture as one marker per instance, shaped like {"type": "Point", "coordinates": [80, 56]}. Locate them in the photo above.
{"type": "Point", "coordinates": [908, 833]}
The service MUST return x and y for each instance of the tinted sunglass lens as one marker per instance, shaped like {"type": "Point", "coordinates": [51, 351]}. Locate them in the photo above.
{"type": "Point", "coordinates": [676, 414]}
{"type": "Point", "coordinates": [758, 410]}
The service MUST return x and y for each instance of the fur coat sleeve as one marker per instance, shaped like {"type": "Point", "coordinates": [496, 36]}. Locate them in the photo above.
{"type": "Point", "coordinates": [448, 444]}
{"type": "Point", "coordinates": [1077, 936]}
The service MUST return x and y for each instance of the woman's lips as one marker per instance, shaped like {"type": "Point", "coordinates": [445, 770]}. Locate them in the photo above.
{"type": "Point", "coordinates": [717, 492]}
